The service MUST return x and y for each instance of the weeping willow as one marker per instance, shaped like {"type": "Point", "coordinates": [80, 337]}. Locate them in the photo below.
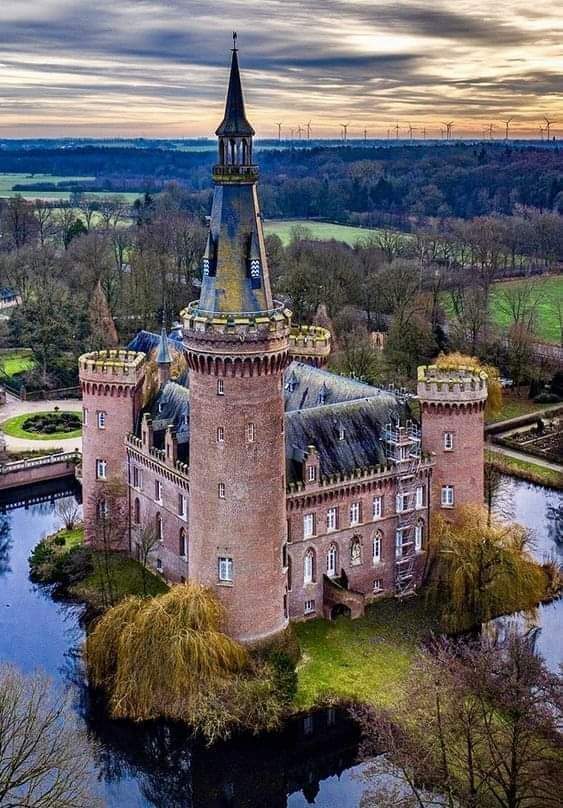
{"type": "Point", "coordinates": [482, 569]}
{"type": "Point", "coordinates": [158, 657]}
{"type": "Point", "coordinates": [454, 361]}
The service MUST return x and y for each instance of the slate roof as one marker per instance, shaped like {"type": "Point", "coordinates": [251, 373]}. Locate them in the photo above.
{"type": "Point", "coordinates": [234, 123]}
{"type": "Point", "coordinates": [147, 341]}
{"type": "Point", "coordinates": [306, 386]}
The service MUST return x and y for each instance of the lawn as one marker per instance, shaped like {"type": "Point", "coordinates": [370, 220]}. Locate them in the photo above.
{"type": "Point", "coordinates": [7, 182]}
{"type": "Point", "coordinates": [13, 427]}
{"type": "Point", "coordinates": [321, 231]}
{"type": "Point", "coordinates": [368, 658]}
{"type": "Point", "coordinates": [525, 470]}
{"type": "Point", "coordinates": [126, 575]}
{"type": "Point", "coordinates": [17, 361]}
{"type": "Point", "coordinates": [514, 406]}
{"type": "Point", "coordinates": [551, 291]}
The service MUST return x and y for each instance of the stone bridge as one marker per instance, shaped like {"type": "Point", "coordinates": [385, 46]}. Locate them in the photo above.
{"type": "Point", "coordinates": [39, 469]}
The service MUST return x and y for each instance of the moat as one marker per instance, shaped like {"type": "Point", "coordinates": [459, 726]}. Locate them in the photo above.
{"type": "Point", "coordinates": [314, 761]}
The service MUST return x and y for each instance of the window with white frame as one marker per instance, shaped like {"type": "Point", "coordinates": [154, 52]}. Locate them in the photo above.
{"type": "Point", "coordinates": [332, 518]}
{"type": "Point", "coordinates": [404, 452]}
{"type": "Point", "coordinates": [420, 496]}
{"type": "Point", "coordinates": [378, 585]}
{"type": "Point", "coordinates": [309, 563]}
{"type": "Point", "coordinates": [220, 387]}
{"type": "Point", "coordinates": [84, 416]}
{"type": "Point", "coordinates": [101, 469]}
{"type": "Point", "coordinates": [157, 491]}
{"type": "Point", "coordinates": [418, 535]}
{"type": "Point", "coordinates": [101, 419]}
{"type": "Point", "coordinates": [225, 569]}
{"type": "Point", "coordinates": [159, 564]}
{"type": "Point", "coordinates": [311, 474]}
{"type": "Point", "coordinates": [221, 491]}
{"type": "Point", "coordinates": [103, 508]}
{"type": "Point", "coordinates": [309, 607]}
{"type": "Point", "coordinates": [341, 432]}
{"type": "Point", "coordinates": [220, 434]}
{"type": "Point", "coordinates": [159, 527]}
{"type": "Point", "coordinates": [402, 502]}
{"type": "Point", "coordinates": [447, 496]}
{"type": "Point", "coordinates": [377, 507]}
{"type": "Point", "coordinates": [355, 513]}
{"type": "Point", "coordinates": [355, 552]}
{"type": "Point", "coordinates": [448, 441]}
{"type": "Point", "coordinates": [400, 542]}
{"type": "Point", "coordinates": [137, 477]}
{"type": "Point", "coordinates": [377, 540]}
{"type": "Point", "coordinates": [251, 433]}
{"type": "Point", "coordinates": [182, 506]}
{"type": "Point", "coordinates": [183, 544]}
{"type": "Point", "coordinates": [308, 525]}
{"type": "Point", "coordinates": [331, 561]}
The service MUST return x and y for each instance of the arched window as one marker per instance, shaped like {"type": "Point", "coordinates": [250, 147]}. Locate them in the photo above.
{"type": "Point", "coordinates": [233, 152]}
{"type": "Point", "coordinates": [159, 528]}
{"type": "Point", "coordinates": [289, 573]}
{"type": "Point", "coordinates": [309, 565]}
{"type": "Point", "coordinates": [244, 152]}
{"type": "Point", "coordinates": [419, 535]}
{"type": "Point", "coordinates": [355, 551]}
{"type": "Point", "coordinates": [331, 561]}
{"type": "Point", "coordinates": [183, 544]}
{"type": "Point", "coordinates": [222, 151]}
{"type": "Point", "coordinates": [137, 511]}
{"type": "Point", "coordinates": [377, 542]}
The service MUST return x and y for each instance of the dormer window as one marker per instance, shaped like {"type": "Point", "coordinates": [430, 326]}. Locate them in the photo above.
{"type": "Point", "coordinates": [341, 432]}
{"type": "Point", "coordinates": [311, 474]}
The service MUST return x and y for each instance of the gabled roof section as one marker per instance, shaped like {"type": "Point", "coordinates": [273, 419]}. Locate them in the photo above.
{"type": "Point", "coordinates": [234, 123]}
{"type": "Point", "coordinates": [163, 356]}
{"type": "Point", "coordinates": [306, 386]}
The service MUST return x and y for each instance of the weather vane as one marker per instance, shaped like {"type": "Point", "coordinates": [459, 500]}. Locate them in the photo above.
{"type": "Point", "coordinates": [234, 40]}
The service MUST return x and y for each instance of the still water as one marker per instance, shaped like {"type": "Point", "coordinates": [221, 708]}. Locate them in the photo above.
{"type": "Point", "coordinates": [314, 761]}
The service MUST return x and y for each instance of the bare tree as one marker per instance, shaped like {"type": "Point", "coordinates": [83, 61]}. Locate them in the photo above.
{"type": "Point", "coordinates": [45, 761]}
{"type": "Point", "coordinates": [519, 303]}
{"type": "Point", "coordinates": [68, 512]}
{"type": "Point", "coordinates": [110, 508]}
{"type": "Point", "coordinates": [147, 541]}
{"type": "Point", "coordinates": [43, 211]}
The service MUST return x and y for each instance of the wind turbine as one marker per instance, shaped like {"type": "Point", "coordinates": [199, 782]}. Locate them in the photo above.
{"type": "Point", "coordinates": [424, 133]}
{"type": "Point", "coordinates": [547, 127]}
{"type": "Point", "coordinates": [506, 125]}
{"type": "Point", "coordinates": [396, 127]}
{"type": "Point", "coordinates": [411, 130]}
{"type": "Point", "coordinates": [279, 130]}
{"type": "Point", "coordinates": [344, 131]}
{"type": "Point", "coordinates": [448, 125]}
{"type": "Point", "coordinates": [365, 135]}
{"type": "Point", "coordinates": [542, 130]}
{"type": "Point", "coordinates": [308, 130]}
{"type": "Point", "coordinates": [490, 129]}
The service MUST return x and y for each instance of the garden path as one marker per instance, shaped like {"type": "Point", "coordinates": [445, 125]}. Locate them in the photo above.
{"type": "Point", "coordinates": [14, 406]}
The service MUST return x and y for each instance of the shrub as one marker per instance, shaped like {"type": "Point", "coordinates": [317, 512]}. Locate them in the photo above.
{"type": "Point", "coordinates": [547, 398]}
{"type": "Point", "coordinates": [73, 567]}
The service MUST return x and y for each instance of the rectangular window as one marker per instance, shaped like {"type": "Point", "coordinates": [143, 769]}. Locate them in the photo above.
{"type": "Point", "coordinates": [309, 525]}
{"type": "Point", "coordinates": [418, 533]}
{"type": "Point", "coordinates": [182, 506]}
{"type": "Point", "coordinates": [309, 607]}
{"type": "Point", "coordinates": [311, 474]}
{"type": "Point", "coordinates": [220, 387]}
{"type": "Point", "coordinates": [103, 509]}
{"type": "Point", "coordinates": [377, 548]}
{"type": "Point", "coordinates": [404, 453]}
{"type": "Point", "coordinates": [402, 502]}
{"type": "Point", "coordinates": [157, 491]}
{"type": "Point", "coordinates": [355, 513]}
{"type": "Point", "coordinates": [137, 477]}
{"type": "Point", "coordinates": [250, 433]}
{"type": "Point", "coordinates": [159, 564]}
{"type": "Point", "coordinates": [399, 542]}
{"type": "Point", "coordinates": [448, 441]}
{"type": "Point", "coordinates": [420, 496]}
{"type": "Point", "coordinates": [377, 507]}
{"type": "Point", "coordinates": [447, 497]}
{"type": "Point", "coordinates": [332, 519]}
{"type": "Point", "coordinates": [220, 434]}
{"type": "Point", "coordinates": [225, 568]}
{"type": "Point", "coordinates": [84, 416]}
{"type": "Point", "coordinates": [101, 419]}
{"type": "Point", "coordinates": [378, 585]}
{"type": "Point", "coordinates": [221, 491]}
{"type": "Point", "coordinates": [101, 469]}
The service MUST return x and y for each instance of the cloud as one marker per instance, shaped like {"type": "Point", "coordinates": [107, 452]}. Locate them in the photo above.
{"type": "Point", "coordinates": [160, 65]}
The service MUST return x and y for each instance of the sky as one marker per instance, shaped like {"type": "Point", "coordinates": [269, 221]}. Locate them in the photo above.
{"type": "Point", "coordinates": [159, 68]}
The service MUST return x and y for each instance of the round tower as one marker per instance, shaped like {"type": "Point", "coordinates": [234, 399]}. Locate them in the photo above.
{"type": "Point", "coordinates": [111, 382]}
{"type": "Point", "coordinates": [452, 403]}
{"type": "Point", "coordinates": [237, 465]}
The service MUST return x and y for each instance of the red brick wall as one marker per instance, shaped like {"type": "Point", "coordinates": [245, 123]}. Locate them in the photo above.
{"type": "Point", "coordinates": [249, 524]}
{"type": "Point", "coordinates": [462, 467]}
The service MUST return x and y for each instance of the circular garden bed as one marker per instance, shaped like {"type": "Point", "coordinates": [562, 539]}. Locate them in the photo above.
{"type": "Point", "coordinates": [54, 425]}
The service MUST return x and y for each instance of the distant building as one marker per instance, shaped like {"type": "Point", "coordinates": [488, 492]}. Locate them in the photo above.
{"type": "Point", "coordinates": [288, 490]}
{"type": "Point", "coordinates": [8, 298]}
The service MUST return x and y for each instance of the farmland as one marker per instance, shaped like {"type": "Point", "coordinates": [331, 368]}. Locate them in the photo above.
{"type": "Point", "coordinates": [321, 231]}
{"type": "Point", "coordinates": [7, 182]}
{"type": "Point", "coordinates": [549, 292]}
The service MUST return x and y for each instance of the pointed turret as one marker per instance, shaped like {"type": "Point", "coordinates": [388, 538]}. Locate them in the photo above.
{"type": "Point", "coordinates": [163, 358]}
{"type": "Point", "coordinates": [235, 123]}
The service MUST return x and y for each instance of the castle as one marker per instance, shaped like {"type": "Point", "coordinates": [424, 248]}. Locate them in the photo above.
{"type": "Point", "coordinates": [288, 490]}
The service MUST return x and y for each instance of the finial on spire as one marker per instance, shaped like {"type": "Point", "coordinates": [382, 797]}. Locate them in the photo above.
{"type": "Point", "coordinates": [235, 35]}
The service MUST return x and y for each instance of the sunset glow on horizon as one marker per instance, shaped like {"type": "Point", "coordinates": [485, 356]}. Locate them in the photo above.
{"type": "Point", "coordinates": [158, 68]}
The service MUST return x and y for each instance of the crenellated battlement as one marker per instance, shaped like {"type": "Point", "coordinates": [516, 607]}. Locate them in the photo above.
{"type": "Point", "coordinates": [236, 326]}
{"type": "Point", "coordinates": [310, 343]}
{"type": "Point", "coordinates": [459, 384]}
{"type": "Point", "coordinates": [113, 365]}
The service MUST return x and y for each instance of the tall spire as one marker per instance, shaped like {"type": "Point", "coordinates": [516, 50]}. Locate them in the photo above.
{"type": "Point", "coordinates": [234, 123]}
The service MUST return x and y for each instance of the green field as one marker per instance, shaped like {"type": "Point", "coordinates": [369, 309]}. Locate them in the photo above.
{"type": "Point", "coordinates": [7, 182]}
{"type": "Point", "coordinates": [551, 292]}
{"type": "Point", "coordinates": [321, 231]}
{"type": "Point", "coordinates": [14, 362]}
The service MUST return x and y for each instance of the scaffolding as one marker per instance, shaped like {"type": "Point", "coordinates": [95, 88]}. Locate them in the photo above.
{"type": "Point", "coordinates": [402, 446]}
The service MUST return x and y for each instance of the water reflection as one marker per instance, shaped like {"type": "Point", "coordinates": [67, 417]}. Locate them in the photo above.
{"type": "Point", "coordinates": [5, 545]}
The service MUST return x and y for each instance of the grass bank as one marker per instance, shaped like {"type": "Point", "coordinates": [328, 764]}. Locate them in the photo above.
{"type": "Point", "coordinates": [513, 406]}
{"type": "Point", "coordinates": [14, 428]}
{"type": "Point", "coordinates": [17, 361]}
{"type": "Point", "coordinates": [525, 470]}
{"type": "Point", "coordinates": [320, 231]}
{"type": "Point", "coordinates": [366, 659]}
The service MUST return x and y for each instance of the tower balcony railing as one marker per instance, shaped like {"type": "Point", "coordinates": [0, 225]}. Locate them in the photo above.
{"type": "Point", "coordinates": [235, 173]}
{"type": "Point", "coordinates": [197, 319]}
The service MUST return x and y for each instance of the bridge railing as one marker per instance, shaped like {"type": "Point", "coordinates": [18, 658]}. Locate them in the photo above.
{"type": "Point", "coordinates": [35, 462]}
